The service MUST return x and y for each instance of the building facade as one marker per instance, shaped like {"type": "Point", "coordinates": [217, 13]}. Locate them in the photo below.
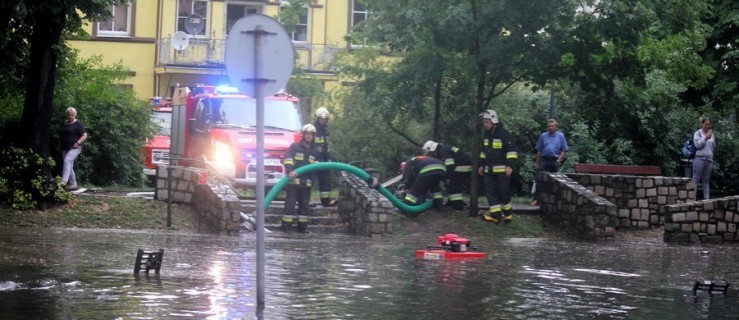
{"type": "Point", "coordinates": [146, 36]}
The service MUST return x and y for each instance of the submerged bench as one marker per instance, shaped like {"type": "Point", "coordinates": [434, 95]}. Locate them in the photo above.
{"type": "Point", "coordinates": [617, 169]}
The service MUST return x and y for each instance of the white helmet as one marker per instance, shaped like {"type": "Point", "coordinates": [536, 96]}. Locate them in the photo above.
{"type": "Point", "coordinates": [429, 146]}
{"type": "Point", "coordinates": [322, 113]}
{"type": "Point", "coordinates": [490, 114]}
{"type": "Point", "coordinates": [308, 128]}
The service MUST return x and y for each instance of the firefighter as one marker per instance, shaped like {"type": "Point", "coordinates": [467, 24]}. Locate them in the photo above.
{"type": "Point", "coordinates": [458, 167]}
{"type": "Point", "coordinates": [421, 176]}
{"type": "Point", "coordinates": [321, 144]}
{"type": "Point", "coordinates": [496, 166]}
{"type": "Point", "coordinates": [299, 154]}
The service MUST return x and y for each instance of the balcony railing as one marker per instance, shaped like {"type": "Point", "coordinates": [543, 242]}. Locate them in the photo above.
{"type": "Point", "coordinates": [210, 53]}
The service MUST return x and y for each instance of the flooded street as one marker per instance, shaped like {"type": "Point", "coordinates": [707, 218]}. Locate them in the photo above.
{"type": "Point", "coordinates": [88, 274]}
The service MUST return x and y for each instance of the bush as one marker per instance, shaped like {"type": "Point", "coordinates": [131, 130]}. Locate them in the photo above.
{"type": "Point", "coordinates": [23, 184]}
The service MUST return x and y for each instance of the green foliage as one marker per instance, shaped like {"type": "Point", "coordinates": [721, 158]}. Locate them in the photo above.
{"type": "Point", "coordinates": [725, 175]}
{"type": "Point", "coordinates": [22, 182]}
{"type": "Point", "coordinates": [117, 122]}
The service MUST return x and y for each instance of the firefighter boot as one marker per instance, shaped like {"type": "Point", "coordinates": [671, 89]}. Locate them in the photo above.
{"type": "Point", "coordinates": [286, 225]}
{"type": "Point", "coordinates": [508, 217]}
{"type": "Point", "coordinates": [328, 202]}
{"type": "Point", "coordinates": [492, 217]}
{"type": "Point", "coordinates": [303, 227]}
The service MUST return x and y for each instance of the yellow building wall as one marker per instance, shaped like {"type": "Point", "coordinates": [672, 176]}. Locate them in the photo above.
{"type": "Point", "coordinates": [156, 20]}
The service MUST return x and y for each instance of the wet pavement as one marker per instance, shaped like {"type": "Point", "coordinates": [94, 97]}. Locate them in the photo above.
{"type": "Point", "coordinates": [88, 274]}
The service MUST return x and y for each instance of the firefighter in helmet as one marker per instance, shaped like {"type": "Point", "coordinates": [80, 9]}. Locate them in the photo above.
{"type": "Point", "coordinates": [321, 144]}
{"type": "Point", "coordinates": [458, 169]}
{"type": "Point", "coordinates": [497, 157]}
{"type": "Point", "coordinates": [299, 154]}
{"type": "Point", "coordinates": [421, 176]}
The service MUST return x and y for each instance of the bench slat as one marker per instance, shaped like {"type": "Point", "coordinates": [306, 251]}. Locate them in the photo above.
{"type": "Point", "coordinates": [617, 169]}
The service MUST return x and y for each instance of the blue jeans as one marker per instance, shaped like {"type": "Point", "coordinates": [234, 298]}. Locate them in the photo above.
{"type": "Point", "coordinates": [702, 172]}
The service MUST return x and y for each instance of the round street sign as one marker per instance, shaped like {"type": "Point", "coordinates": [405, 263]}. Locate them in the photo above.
{"type": "Point", "coordinates": [276, 55]}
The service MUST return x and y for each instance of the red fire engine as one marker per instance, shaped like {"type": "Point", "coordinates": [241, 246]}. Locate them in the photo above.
{"type": "Point", "coordinates": [157, 148]}
{"type": "Point", "coordinates": [220, 131]}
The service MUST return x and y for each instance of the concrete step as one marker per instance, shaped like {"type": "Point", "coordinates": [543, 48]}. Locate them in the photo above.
{"type": "Point", "coordinates": [277, 207]}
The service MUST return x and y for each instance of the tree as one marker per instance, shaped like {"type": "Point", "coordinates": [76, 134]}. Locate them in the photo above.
{"type": "Point", "coordinates": [41, 24]}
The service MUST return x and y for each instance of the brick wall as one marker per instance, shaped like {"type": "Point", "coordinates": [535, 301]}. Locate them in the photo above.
{"type": "Point", "coordinates": [707, 221]}
{"type": "Point", "coordinates": [366, 211]}
{"type": "Point", "coordinates": [217, 205]}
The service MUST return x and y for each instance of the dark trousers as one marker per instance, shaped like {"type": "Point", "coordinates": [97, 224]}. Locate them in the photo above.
{"type": "Point", "coordinates": [548, 164]}
{"type": "Point", "coordinates": [300, 196]}
{"type": "Point", "coordinates": [498, 192]}
{"type": "Point", "coordinates": [458, 182]}
{"type": "Point", "coordinates": [324, 185]}
{"type": "Point", "coordinates": [423, 185]}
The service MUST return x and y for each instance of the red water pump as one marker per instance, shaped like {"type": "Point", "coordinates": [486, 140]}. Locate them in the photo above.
{"type": "Point", "coordinates": [454, 242]}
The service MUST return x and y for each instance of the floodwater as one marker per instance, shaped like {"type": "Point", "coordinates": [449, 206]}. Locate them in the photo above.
{"type": "Point", "coordinates": [88, 274]}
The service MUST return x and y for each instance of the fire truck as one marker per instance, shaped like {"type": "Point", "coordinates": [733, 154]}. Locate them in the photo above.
{"type": "Point", "coordinates": [156, 150]}
{"type": "Point", "coordinates": [219, 130]}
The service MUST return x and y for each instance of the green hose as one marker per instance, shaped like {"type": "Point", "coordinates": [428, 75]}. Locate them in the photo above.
{"type": "Point", "coordinates": [338, 166]}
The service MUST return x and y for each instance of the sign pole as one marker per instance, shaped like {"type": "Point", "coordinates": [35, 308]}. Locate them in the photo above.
{"type": "Point", "coordinates": [259, 32]}
{"type": "Point", "coordinates": [259, 67]}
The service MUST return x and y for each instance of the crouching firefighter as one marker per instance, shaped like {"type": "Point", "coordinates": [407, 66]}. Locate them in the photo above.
{"type": "Point", "coordinates": [421, 176]}
{"type": "Point", "coordinates": [299, 154]}
{"type": "Point", "coordinates": [458, 169]}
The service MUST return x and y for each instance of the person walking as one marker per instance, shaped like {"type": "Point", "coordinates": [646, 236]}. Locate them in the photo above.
{"type": "Point", "coordinates": [72, 135]}
{"type": "Point", "coordinates": [298, 190]}
{"type": "Point", "coordinates": [497, 157]}
{"type": "Point", "coordinates": [458, 168]}
{"type": "Point", "coordinates": [550, 153]}
{"type": "Point", "coordinates": [421, 176]}
{"type": "Point", "coordinates": [705, 143]}
{"type": "Point", "coordinates": [321, 144]}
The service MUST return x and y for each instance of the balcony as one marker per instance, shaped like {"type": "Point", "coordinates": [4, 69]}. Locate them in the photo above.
{"type": "Point", "coordinates": [210, 53]}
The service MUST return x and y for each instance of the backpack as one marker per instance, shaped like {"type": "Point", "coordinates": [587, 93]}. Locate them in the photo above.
{"type": "Point", "coordinates": [689, 149]}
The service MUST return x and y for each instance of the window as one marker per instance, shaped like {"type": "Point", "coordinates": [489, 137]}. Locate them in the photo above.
{"type": "Point", "coordinates": [119, 24]}
{"type": "Point", "coordinates": [189, 7]}
{"type": "Point", "coordinates": [359, 13]}
{"type": "Point", "coordinates": [235, 11]}
{"type": "Point", "coordinates": [301, 25]}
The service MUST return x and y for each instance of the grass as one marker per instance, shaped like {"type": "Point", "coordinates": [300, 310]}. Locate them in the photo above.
{"type": "Point", "coordinates": [112, 209]}
{"type": "Point", "coordinates": [108, 209]}
{"type": "Point", "coordinates": [441, 222]}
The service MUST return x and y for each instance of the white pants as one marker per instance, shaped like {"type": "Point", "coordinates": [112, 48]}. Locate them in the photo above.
{"type": "Point", "coordinates": [68, 176]}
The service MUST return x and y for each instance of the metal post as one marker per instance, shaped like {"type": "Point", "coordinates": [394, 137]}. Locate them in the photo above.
{"type": "Point", "coordinates": [169, 196]}
{"type": "Point", "coordinates": [260, 163]}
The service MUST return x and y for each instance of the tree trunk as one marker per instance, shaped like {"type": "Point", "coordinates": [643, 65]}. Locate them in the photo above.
{"type": "Point", "coordinates": [437, 108]}
{"type": "Point", "coordinates": [40, 80]}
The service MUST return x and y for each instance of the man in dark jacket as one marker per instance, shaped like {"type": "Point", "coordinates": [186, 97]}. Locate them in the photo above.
{"type": "Point", "coordinates": [458, 169]}
{"type": "Point", "coordinates": [422, 175]}
{"type": "Point", "coordinates": [299, 154]}
{"type": "Point", "coordinates": [496, 166]}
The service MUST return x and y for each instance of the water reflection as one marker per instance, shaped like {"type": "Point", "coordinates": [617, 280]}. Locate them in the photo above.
{"type": "Point", "coordinates": [87, 274]}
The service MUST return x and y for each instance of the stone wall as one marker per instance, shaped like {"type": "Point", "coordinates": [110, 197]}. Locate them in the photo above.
{"type": "Point", "coordinates": [638, 198]}
{"type": "Point", "coordinates": [217, 205]}
{"type": "Point", "coordinates": [707, 221]}
{"type": "Point", "coordinates": [366, 211]}
{"type": "Point", "coordinates": [576, 208]}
